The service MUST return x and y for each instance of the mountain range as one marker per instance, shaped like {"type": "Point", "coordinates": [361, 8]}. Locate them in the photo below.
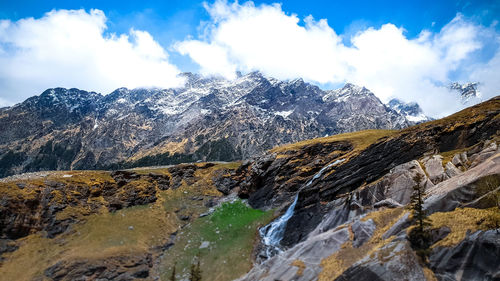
{"type": "Point", "coordinates": [209, 119]}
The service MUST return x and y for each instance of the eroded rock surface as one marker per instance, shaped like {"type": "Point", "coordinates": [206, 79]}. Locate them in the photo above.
{"type": "Point", "coordinates": [474, 258]}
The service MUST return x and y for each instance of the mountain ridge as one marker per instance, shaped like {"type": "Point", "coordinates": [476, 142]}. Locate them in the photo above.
{"type": "Point", "coordinates": [207, 119]}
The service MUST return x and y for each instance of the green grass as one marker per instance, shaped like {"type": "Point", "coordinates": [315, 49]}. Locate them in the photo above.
{"type": "Point", "coordinates": [230, 233]}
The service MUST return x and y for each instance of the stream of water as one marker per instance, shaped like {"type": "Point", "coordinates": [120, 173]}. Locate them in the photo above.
{"type": "Point", "coordinates": [273, 233]}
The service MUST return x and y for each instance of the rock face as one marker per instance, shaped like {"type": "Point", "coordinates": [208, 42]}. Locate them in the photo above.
{"type": "Point", "coordinates": [35, 204]}
{"type": "Point", "coordinates": [474, 258]}
{"type": "Point", "coordinates": [390, 262]}
{"type": "Point", "coordinates": [207, 119]}
{"type": "Point", "coordinates": [101, 225]}
{"type": "Point", "coordinates": [434, 168]}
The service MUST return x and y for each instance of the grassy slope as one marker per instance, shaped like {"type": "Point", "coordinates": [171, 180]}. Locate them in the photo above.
{"type": "Point", "coordinates": [139, 229]}
{"type": "Point", "coordinates": [228, 234]}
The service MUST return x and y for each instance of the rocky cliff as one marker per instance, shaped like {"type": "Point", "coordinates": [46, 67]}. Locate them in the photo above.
{"type": "Point", "coordinates": [352, 222]}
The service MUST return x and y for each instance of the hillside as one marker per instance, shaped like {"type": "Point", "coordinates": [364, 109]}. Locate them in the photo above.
{"type": "Point", "coordinates": [346, 196]}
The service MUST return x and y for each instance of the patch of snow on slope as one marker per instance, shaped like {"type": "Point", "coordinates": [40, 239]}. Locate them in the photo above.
{"type": "Point", "coordinates": [284, 114]}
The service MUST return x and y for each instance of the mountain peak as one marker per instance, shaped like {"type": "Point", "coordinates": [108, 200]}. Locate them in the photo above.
{"type": "Point", "coordinates": [410, 110]}
{"type": "Point", "coordinates": [467, 91]}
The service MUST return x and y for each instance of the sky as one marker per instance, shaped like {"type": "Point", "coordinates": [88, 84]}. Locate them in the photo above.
{"type": "Point", "coordinates": [409, 50]}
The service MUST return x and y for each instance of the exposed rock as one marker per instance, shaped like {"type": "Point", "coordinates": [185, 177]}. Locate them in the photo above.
{"type": "Point", "coordinates": [224, 181]}
{"type": "Point", "coordinates": [340, 211]}
{"type": "Point", "coordinates": [488, 151]}
{"type": "Point", "coordinates": [182, 173]}
{"type": "Point", "coordinates": [403, 223]}
{"type": "Point", "coordinates": [311, 252]}
{"type": "Point", "coordinates": [451, 170]}
{"type": "Point", "coordinates": [439, 234]}
{"type": "Point", "coordinates": [7, 246]}
{"type": "Point", "coordinates": [464, 188]}
{"type": "Point", "coordinates": [390, 203]}
{"type": "Point", "coordinates": [394, 261]}
{"type": "Point", "coordinates": [474, 258]}
{"type": "Point", "coordinates": [434, 168]}
{"type": "Point", "coordinates": [36, 207]}
{"type": "Point", "coordinates": [363, 231]}
{"type": "Point", "coordinates": [460, 160]}
{"type": "Point", "coordinates": [395, 188]}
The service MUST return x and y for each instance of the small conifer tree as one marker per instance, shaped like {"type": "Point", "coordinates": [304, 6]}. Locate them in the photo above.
{"type": "Point", "coordinates": [420, 237]}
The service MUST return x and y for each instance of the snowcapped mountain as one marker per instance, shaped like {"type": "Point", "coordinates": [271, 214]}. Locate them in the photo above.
{"type": "Point", "coordinates": [466, 91]}
{"type": "Point", "coordinates": [411, 111]}
{"type": "Point", "coordinates": [207, 119]}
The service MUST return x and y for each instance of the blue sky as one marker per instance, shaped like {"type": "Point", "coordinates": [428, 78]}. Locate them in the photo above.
{"type": "Point", "coordinates": [405, 49]}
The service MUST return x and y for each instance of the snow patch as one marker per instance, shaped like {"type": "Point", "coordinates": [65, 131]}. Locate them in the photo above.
{"type": "Point", "coordinates": [418, 118]}
{"type": "Point", "coordinates": [284, 114]}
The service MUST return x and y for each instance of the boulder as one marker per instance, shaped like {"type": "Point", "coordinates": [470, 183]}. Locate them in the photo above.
{"type": "Point", "coordinates": [363, 231]}
{"type": "Point", "coordinates": [460, 160]}
{"type": "Point", "coordinates": [434, 168]}
{"type": "Point", "coordinates": [488, 151]}
{"type": "Point", "coordinates": [451, 170]}
{"type": "Point", "coordinates": [463, 188]}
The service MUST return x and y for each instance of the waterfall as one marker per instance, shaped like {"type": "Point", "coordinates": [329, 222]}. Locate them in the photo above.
{"type": "Point", "coordinates": [273, 233]}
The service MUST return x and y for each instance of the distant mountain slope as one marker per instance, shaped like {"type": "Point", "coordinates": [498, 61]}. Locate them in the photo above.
{"type": "Point", "coordinates": [208, 119]}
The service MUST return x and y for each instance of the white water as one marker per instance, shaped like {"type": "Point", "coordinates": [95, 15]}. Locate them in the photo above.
{"type": "Point", "coordinates": [273, 233]}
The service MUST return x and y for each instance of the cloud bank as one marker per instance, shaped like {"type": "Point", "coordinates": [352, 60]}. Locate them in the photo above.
{"type": "Point", "coordinates": [69, 48]}
{"type": "Point", "coordinates": [246, 37]}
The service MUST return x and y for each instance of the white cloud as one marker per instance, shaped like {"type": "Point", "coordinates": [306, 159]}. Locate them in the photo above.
{"type": "Point", "coordinates": [246, 37]}
{"type": "Point", "coordinates": [265, 38]}
{"type": "Point", "coordinates": [69, 48]}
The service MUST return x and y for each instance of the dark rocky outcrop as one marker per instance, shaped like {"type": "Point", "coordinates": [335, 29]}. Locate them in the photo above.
{"type": "Point", "coordinates": [474, 258]}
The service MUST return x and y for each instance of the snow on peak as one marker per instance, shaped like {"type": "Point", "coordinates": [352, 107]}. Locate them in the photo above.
{"type": "Point", "coordinates": [344, 93]}
{"type": "Point", "coordinates": [467, 91]}
{"type": "Point", "coordinates": [411, 111]}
